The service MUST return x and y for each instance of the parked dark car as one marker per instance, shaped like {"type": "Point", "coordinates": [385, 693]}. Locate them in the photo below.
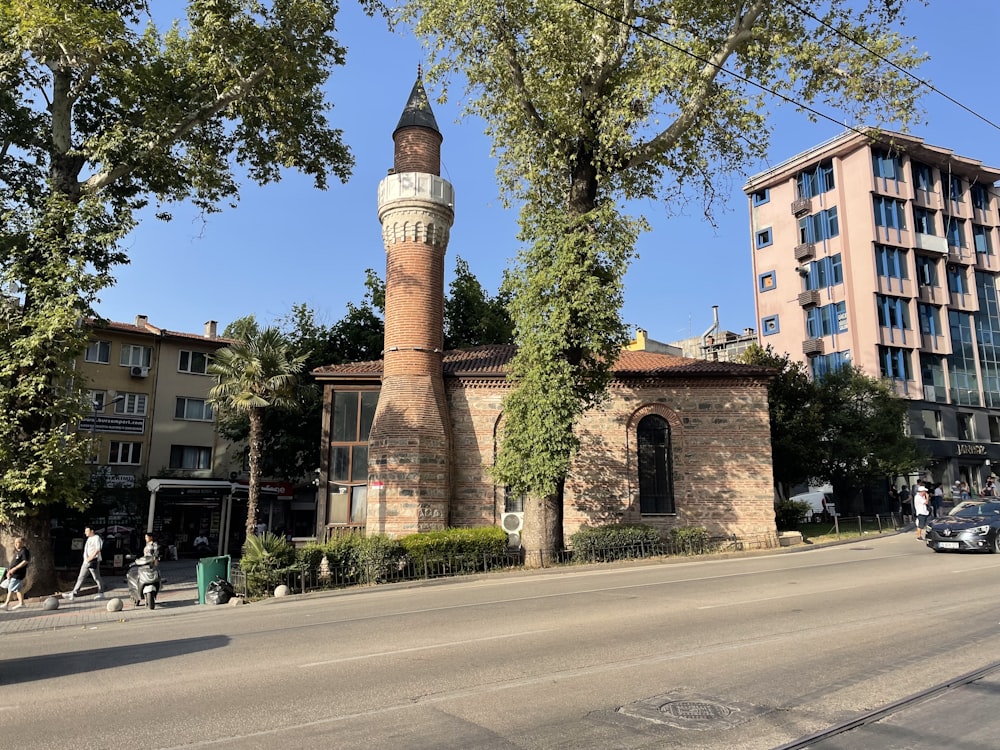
{"type": "Point", "coordinates": [975, 526]}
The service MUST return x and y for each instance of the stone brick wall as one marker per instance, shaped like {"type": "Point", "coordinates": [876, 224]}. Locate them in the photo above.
{"type": "Point", "coordinates": [721, 445]}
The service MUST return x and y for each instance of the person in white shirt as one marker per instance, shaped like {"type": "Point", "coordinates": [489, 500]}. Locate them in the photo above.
{"type": "Point", "coordinates": [922, 509]}
{"type": "Point", "coordinates": [91, 565]}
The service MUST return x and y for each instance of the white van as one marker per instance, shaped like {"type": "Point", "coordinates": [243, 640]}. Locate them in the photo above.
{"type": "Point", "coordinates": [822, 506]}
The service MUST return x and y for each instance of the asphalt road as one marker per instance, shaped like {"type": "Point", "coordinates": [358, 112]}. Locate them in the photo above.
{"type": "Point", "coordinates": [745, 653]}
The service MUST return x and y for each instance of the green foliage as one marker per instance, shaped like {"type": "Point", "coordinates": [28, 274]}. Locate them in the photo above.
{"type": "Point", "coordinates": [788, 514]}
{"type": "Point", "coordinates": [590, 106]}
{"type": "Point", "coordinates": [264, 561]}
{"type": "Point", "coordinates": [469, 548]}
{"type": "Point", "coordinates": [471, 317]}
{"type": "Point", "coordinates": [614, 542]}
{"type": "Point", "coordinates": [377, 558]}
{"type": "Point", "coordinates": [690, 540]}
{"type": "Point", "coordinates": [100, 115]}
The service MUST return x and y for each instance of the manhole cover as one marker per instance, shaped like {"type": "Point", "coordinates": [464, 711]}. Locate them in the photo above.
{"type": "Point", "coordinates": [689, 712]}
{"type": "Point", "coordinates": [695, 710]}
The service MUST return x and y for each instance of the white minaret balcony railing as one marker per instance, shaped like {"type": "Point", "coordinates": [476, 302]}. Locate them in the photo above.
{"type": "Point", "coordinates": [416, 186]}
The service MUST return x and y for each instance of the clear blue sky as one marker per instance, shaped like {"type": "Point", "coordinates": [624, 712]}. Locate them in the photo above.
{"type": "Point", "coordinates": [288, 243]}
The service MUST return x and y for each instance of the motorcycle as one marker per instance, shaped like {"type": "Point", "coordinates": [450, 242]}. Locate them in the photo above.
{"type": "Point", "coordinates": [143, 579]}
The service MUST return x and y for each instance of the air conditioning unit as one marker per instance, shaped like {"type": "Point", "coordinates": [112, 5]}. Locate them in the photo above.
{"type": "Point", "coordinates": [513, 524]}
{"type": "Point", "coordinates": [140, 372]}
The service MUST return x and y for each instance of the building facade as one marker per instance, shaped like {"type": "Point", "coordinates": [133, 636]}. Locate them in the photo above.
{"type": "Point", "coordinates": [409, 440]}
{"type": "Point", "coordinates": [880, 250]}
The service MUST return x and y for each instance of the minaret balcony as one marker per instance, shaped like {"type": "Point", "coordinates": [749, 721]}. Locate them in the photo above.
{"type": "Point", "coordinates": [416, 186]}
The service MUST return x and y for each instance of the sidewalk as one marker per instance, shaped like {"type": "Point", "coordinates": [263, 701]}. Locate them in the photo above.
{"type": "Point", "coordinates": [179, 593]}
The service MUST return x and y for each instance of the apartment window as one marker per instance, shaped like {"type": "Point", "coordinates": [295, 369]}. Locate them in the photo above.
{"type": "Point", "coordinates": [966, 426]}
{"type": "Point", "coordinates": [98, 351]}
{"type": "Point", "coordinates": [655, 463]}
{"type": "Point", "coordinates": [994, 423]}
{"type": "Point", "coordinates": [893, 312]}
{"type": "Point", "coordinates": [923, 220]}
{"type": "Point", "coordinates": [95, 401]}
{"type": "Point", "coordinates": [988, 337]}
{"type": "Point", "coordinates": [764, 238]}
{"type": "Point", "coordinates": [819, 180]}
{"type": "Point", "coordinates": [955, 232]}
{"type": "Point", "coordinates": [955, 189]}
{"type": "Point", "coordinates": [962, 378]}
{"type": "Point", "coordinates": [760, 197]}
{"type": "Point", "coordinates": [124, 453]}
{"type": "Point", "coordinates": [824, 364]}
{"type": "Point", "coordinates": [887, 164]}
{"type": "Point", "coordinates": [190, 457]}
{"type": "Point", "coordinates": [889, 213]}
{"type": "Point", "coordinates": [826, 320]}
{"type": "Point", "coordinates": [981, 239]}
{"type": "Point", "coordinates": [193, 408]}
{"type": "Point", "coordinates": [769, 325]}
{"type": "Point", "coordinates": [194, 362]}
{"type": "Point", "coordinates": [932, 375]}
{"type": "Point", "coordinates": [131, 403]}
{"type": "Point", "coordinates": [956, 280]}
{"type": "Point", "coordinates": [980, 197]}
{"type": "Point", "coordinates": [819, 227]}
{"type": "Point", "coordinates": [931, 419]}
{"type": "Point", "coordinates": [134, 355]}
{"type": "Point", "coordinates": [767, 281]}
{"type": "Point", "coordinates": [926, 271]}
{"type": "Point", "coordinates": [890, 261]}
{"type": "Point", "coordinates": [350, 424]}
{"type": "Point", "coordinates": [923, 177]}
{"type": "Point", "coordinates": [930, 319]}
{"type": "Point", "coordinates": [895, 363]}
{"type": "Point", "coordinates": [825, 272]}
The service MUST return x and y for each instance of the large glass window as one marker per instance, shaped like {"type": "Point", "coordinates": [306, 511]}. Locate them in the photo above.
{"type": "Point", "coordinates": [124, 453]}
{"type": "Point", "coordinates": [890, 212]}
{"type": "Point", "coordinates": [955, 232]}
{"type": "Point", "coordinates": [966, 426]}
{"type": "Point", "coordinates": [926, 271]}
{"type": "Point", "coordinates": [656, 482]}
{"type": "Point", "coordinates": [887, 164]}
{"type": "Point", "coordinates": [193, 362]}
{"type": "Point", "coordinates": [350, 427]}
{"type": "Point", "coordinates": [987, 322]}
{"type": "Point", "coordinates": [891, 261]}
{"type": "Point", "coordinates": [981, 239]}
{"type": "Point", "coordinates": [190, 457]}
{"type": "Point", "coordinates": [895, 363]}
{"type": "Point", "coordinates": [923, 220]}
{"type": "Point", "coordinates": [963, 382]}
{"type": "Point", "coordinates": [824, 364]}
{"type": "Point", "coordinates": [193, 408]}
{"type": "Point", "coordinates": [134, 355]}
{"type": "Point", "coordinates": [826, 320]}
{"type": "Point", "coordinates": [893, 312]}
{"type": "Point", "coordinates": [817, 181]}
{"type": "Point", "coordinates": [825, 272]}
{"type": "Point", "coordinates": [923, 177]}
{"type": "Point", "coordinates": [956, 280]}
{"type": "Point", "coordinates": [932, 374]}
{"type": "Point", "coordinates": [931, 423]}
{"type": "Point", "coordinates": [930, 319]}
{"type": "Point", "coordinates": [98, 351]}
{"type": "Point", "coordinates": [131, 403]}
{"type": "Point", "coordinates": [820, 226]}
{"type": "Point", "coordinates": [980, 197]}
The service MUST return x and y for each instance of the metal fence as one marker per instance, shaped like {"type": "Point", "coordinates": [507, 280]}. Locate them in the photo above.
{"type": "Point", "coordinates": [390, 570]}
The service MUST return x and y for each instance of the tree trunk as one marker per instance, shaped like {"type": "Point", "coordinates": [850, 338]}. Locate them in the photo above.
{"type": "Point", "coordinates": [253, 490]}
{"type": "Point", "coordinates": [542, 537]}
{"type": "Point", "coordinates": [41, 577]}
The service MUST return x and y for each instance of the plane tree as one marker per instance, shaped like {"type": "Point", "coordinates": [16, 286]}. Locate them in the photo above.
{"type": "Point", "coordinates": [596, 107]}
{"type": "Point", "coordinates": [103, 115]}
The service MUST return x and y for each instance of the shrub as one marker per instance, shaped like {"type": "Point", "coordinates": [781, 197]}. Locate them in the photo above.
{"type": "Point", "coordinates": [615, 542]}
{"type": "Point", "coordinates": [788, 514]}
{"type": "Point", "coordinates": [690, 540]}
{"type": "Point", "coordinates": [265, 558]}
{"type": "Point", "coordinates": [464, 549]}
{"type": "Point", "coordinates": [375, 558]}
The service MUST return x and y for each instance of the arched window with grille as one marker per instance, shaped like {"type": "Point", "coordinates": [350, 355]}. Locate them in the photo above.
{"type": "Point", "coordinates": [656, 475]}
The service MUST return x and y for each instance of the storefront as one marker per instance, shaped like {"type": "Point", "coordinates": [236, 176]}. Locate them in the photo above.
{"type": "Point", "coordinates": [180, 510]}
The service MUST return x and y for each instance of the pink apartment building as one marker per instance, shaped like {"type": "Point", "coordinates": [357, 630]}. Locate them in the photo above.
{"type": "Point", "coordinates": [881, 250]}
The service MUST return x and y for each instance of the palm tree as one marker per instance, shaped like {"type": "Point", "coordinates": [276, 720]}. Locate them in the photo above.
{"type": "Point", "coordinates": [253, 374]}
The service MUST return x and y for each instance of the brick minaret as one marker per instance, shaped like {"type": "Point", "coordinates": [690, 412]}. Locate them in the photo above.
{"type": "Point", "coordinates": [409, 445]}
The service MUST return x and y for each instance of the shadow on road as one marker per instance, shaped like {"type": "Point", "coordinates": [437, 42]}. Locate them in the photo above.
{"type": "Point", "coordinates": [29, 669]}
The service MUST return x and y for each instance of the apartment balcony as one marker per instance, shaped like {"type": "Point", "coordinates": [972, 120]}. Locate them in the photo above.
{"type": "Point", "coordinates": [963, 255]}
{"type": "Point", "coordinates": [812, 347]}
{"type": "Point", "coordinates": [801, 206]}
{"type": "Point", "coordinates": [931, 243]}
{"type": "Point", "coordinates": [809, 299]}
{"type": "Point", "coordinates": [805, 251]}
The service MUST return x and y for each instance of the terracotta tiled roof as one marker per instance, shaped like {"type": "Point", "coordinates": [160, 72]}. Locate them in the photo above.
{"type": "Point", "coordinates": [492, 361]}
{"type": "Point", "coordinates": [99, 324]}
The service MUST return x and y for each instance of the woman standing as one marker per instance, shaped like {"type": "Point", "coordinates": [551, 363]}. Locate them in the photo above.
{"type": "Point", "coordinates": [14, 581]}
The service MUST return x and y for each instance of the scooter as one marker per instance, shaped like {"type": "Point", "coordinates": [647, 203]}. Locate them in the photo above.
{"type": "Point", "coordinates": [143, 579]}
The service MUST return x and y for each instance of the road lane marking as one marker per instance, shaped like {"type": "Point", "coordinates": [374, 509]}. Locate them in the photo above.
{"type": "Point", "coordinates": [420, 648]}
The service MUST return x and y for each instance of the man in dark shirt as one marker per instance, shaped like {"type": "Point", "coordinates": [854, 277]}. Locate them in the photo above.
{"type": "Point", "coordinates": [14, 580]}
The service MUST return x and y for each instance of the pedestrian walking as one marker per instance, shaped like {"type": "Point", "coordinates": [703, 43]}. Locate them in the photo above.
{"type": "Point", "coordinates": [922, 509]}
{"type": "Point", "coordinates": [905, 503]}
{"type": "Point", "coordinates": [91, 565]}
{"type": "Point", "coordinates": [937, 500]}
{"type": "Point", "coordinates": [14, 578]}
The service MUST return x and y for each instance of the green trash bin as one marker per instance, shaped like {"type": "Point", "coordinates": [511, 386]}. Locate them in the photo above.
{"type": "Point", "coordinates": [208, 569]}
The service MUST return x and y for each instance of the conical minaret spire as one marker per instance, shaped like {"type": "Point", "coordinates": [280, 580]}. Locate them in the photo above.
{"type": "Point", "coordinates": [409, 446]}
